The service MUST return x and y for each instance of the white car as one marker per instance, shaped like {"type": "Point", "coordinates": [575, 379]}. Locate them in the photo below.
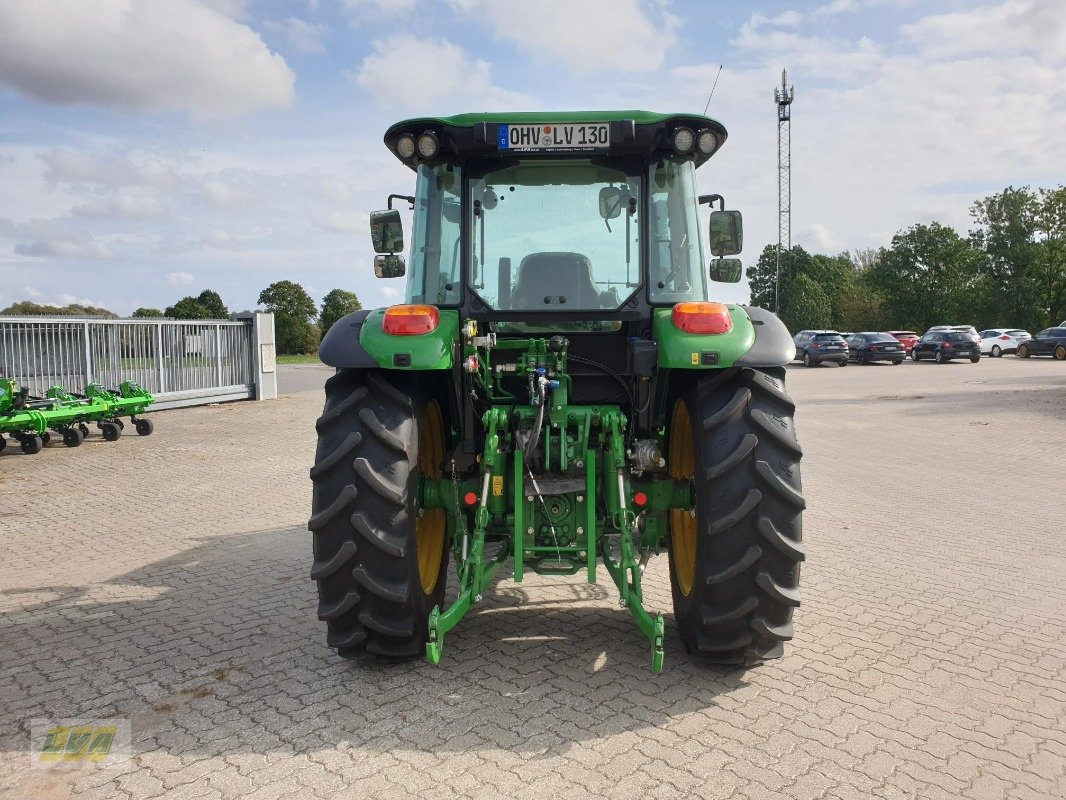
{"type": "Point", "coordinates": [997, 341]}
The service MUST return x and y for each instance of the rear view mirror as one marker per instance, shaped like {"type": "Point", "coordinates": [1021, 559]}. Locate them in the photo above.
{"type": "Point", "coordinates": [727, 233]}
{"type": "Point", "coordinates": [389, 266]}
{"type": "Point", "coordinates": [386, 231]}
{"type": "Point", "coordinates": [611, 200]}
{"type": "Point", "coordinates": [727, 270]}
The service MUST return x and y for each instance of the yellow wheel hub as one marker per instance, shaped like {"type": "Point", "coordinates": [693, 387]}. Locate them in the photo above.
{"type": "Point", "coordinates": [682, 523]}
{"type": "Point", "coordinates": [431, 530]}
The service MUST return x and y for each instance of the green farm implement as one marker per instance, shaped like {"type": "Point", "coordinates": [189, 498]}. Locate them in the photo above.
{"type": "Point", "coordinates": [558, 393]}
{"type": "Point", "coordinates": [30, 420]}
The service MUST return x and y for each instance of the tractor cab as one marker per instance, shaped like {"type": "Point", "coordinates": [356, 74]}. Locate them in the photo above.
{"type": "Point", "coordinates": [570, 221]}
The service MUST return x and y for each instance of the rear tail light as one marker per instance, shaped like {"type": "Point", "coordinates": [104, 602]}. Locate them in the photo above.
{"type": "Point", "coordinates": [949, 346]}
{"type": "Point", "coordinates": [1004, 338]}
{"type": "Point", "coordinates": [702, 318]}
{"type": "Point", "coordinates": [815, 345]}
{"type": "Point", "coordinates": [410, 320]}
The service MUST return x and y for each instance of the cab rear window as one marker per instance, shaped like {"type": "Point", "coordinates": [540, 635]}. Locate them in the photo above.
{"type": "Point", "coordinates": [828, 337]}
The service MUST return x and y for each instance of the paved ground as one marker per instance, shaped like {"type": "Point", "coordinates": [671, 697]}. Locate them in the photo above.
{"type": "Point", "coordinates": [164, 580]}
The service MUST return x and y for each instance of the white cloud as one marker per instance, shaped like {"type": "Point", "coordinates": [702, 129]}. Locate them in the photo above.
{"type": "Point", "coordinates": [82, 248]}
{"type": "Point", "coordinates": [1037, 27]}
{"type": "Point", "coordinates": [179, 278]}
{"type": "Point", "coordinates": [68, 166]}
{"type": "Point", "coordinates": [124, 205]}
{"type": "Point", "coordinates": [169, 54]}
{"type": "Point", "coordinates": [361, 8]}
{"type": "Point", "coordinates": [345, 222]}
{"type": "Point", "coordinates": [389, 292]}
{"type": "Point", "coordinates": [430, 74]}
{"type": "Point", "coordinates": [303, 35]}
{"type": "Point", "coordinates": [630, 36]}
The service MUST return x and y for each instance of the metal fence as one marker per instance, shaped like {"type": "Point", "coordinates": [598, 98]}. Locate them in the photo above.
{"type": "Point", "coordinates": [181, 362]}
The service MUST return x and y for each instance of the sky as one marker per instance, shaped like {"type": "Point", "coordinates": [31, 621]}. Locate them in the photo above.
{"type": "Point", "coordinates": [150, 149]}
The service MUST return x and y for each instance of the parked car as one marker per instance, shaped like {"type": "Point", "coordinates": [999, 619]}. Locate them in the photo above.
{"type": "Point", "coordinates": [814, 347]}
{"type": "Point", "coordinates": [865, 348]}
{"type": "Point", "coordinates": [944, 346]}
{"type": "Point", "coordinates": [997, 341]}
{"type": "Point", "coordinates": [970, 329]}
{"type": "Point", "coordinates": [1049, 342]}
{"type": "Point", "coordinates": [906, 338]}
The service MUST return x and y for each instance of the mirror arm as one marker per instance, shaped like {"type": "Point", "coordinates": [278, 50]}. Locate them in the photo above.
{"type": "Point", "coordinates": [712, 198]}
{"type": "Point", "coordinates": [408, 198]}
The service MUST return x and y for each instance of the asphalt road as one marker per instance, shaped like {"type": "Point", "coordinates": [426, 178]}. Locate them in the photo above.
{"type": "Point", "coordinates": [164, 581]}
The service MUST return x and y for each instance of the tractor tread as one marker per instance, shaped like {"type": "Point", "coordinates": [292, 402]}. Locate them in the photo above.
{"type": "Point", "coordinates": [320, 569]}
{"type": "Point", "coordinates": [383, 387]}
{"type": "Point", "coordinates": [743, 450]}
{"type": "Point", "coordinates": [403, 627]}
{"type": "Point", "coordinates": [737, 642]}
{"type": "Point", "coordinates": [341, 409]}
{"type": "Point", "coordinates": [395, 648]}
{"type": "Point", "coordinates": [374, 482]}
{"type": "Point", "coordinates": [384, 435]}
{"type": "Point", "coordinates": [782, 632]}
{"type": "Point", "coordinates": [375, 537]}
{"type": "Point", "coordinates": [395, 593]}
{"type": "Point", "coordinates": [731, 409]}
{"type": "Point", "coordinates": [782, 594]}
{"type": "Point", "coordinates": [776, 484]}
{"type": "Point", "coordinates": [771, 426]}
{"type": "Point", "coordinates": [746, 605]}
{"type": "Point", "coordinates": [747, 505]}
{"type": "Point", "coordinates": [350, 638]}
{"type": "Point", "coordinates": [787, 547]}
{"type": "Point", "coordinates": [328, 514]}
{"type": "Point", "coordinates": [759, 380]}
{"type": "Point", "coordinates": [749, 558]}
{"type": "Point", "coordinates": [342, 606]}
{"type": "Point", "coordinates": [344, 449]}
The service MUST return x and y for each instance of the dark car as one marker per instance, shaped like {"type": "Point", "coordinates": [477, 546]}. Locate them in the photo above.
{"type": "Point", "coordinates": [944, 346]}
{"type": "Point", "coordinates": [814, 347]}
{"type": "Point", "coordinates": [865, 348]}
{"type": "Point", "coordinates": [1049, 342]}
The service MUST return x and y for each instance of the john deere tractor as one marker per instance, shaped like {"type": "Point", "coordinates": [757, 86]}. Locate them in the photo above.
{"type": "Point", "coordinates": [557, 393]}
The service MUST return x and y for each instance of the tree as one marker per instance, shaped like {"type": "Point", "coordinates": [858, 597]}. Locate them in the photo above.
{"type": "Point", "coordinates": [28, 307]}
{"type": "Point", "coordinates": [147, 313]}
{"type": "Point", "coordinates": [335, 305]}
{"type": "Point", "coordinates": [1006, 235]}
{"type": "Point", "coordinates": [928, 276]}
{"type": "Point", "coordinates": [188, 308]}
{"type": "Point", "coordinates": [1051, 258]}
{"type": "Point", "coordinates": [804, 303]}
{"type": "Point", "coordinates": [213, 303]}
{"type": "Point", "coordinates": [294, 317]}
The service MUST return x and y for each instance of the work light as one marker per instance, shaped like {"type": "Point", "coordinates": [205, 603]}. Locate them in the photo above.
{"type": "Point", "coordinates": [683, 140]}
{"type": "Point", "coordinates": [405, 146]}
{"type": "Point", "coordinates": [706, 142]}
{"type": "Point", "coordinates": [428, 145]}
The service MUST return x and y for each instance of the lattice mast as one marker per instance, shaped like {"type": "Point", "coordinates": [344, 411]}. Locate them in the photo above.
{"type": "Point", "coordinates": [783, 98]}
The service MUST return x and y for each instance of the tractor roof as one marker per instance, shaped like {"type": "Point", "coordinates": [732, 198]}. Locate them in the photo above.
{"type": "Point", "coordinates": [465, 136]}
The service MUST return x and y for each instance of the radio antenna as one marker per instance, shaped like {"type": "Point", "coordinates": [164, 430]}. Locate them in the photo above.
{"type": "Point", "coordinates": [716, 77]}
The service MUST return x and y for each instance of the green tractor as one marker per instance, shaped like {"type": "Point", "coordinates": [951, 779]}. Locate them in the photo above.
{"type": "Point", "coordinates": [557, 393]}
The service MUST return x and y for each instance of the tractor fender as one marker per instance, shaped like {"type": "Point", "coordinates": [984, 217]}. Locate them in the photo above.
{"type": "Point", "coordinates": [773, 346]}
{"type": "Point", "coordinates": [340, 346]}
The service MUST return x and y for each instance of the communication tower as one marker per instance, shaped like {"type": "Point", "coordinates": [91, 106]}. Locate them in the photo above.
{"type": "Point", "coordinates": [783, 98]}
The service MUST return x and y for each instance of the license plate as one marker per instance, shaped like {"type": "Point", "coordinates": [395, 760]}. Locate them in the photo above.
{"type": "Point", "coordinates": [585, 136]}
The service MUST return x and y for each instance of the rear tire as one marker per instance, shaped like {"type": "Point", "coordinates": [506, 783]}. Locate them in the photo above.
{"type": "Point", "coordinates": [1060, 353]}
{"type": "Point", "coordinates": [31, 444]}
{"type": "Point", "coordinates": [735, 566]}
{"type": "Point", "coordinates": [938, 357]}
{"type": "Point", "coordinates": [144, 427]}
{"type": "Point", "coordinates": [111, 431]}
{"type": "Point", "coordinates": [380, 567]}
{"type": "Point", "coordinates": [996, 351]}
{"type": "Point", "coordinates": [72, 437]}
{"type": "Point", "coordinates": [807, 360]}
{"type": "Point", "coordinates": [914, 355]}
{"type": "Point", "coordinates": [1023, 351]}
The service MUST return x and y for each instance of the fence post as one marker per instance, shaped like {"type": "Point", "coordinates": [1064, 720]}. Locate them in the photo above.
{"type": "Point", "coordinates": [88, 353]}
{"type": "Point", "coordinates": [159, 355]}
{"type": "Point", "coordinates": [264, 357]}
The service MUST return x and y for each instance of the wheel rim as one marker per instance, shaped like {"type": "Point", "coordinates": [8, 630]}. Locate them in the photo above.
{"type": "Point", "coordinates": [682, 523]}
{"type": "Point", "coordinates": [1060, 353]}
{"type": "Point", "coordinates": [432, 525]}
{"type": "Point", "coordinates": [996, 351]}
{"type": "Point", "coordinates": [1023, 351]}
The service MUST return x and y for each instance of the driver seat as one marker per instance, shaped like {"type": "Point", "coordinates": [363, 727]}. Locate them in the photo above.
{"type": "Point", "coordinates": [551, 276]}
